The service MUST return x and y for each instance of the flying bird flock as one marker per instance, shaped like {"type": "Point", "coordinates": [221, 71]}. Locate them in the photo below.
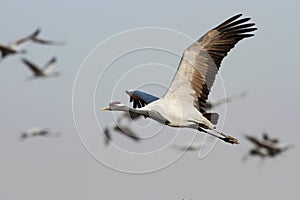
{"type": "Point", "coordinates": [17, 47]}
{"type": "Point", "coordinates": [185, 104]}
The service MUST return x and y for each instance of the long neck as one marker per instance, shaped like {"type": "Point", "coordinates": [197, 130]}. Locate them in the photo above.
{"type": "Point", "coordinates": [123, 108]}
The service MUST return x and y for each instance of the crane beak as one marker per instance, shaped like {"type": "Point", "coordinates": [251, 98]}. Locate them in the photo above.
{"type": "Point", "coordinates": [104, 108]}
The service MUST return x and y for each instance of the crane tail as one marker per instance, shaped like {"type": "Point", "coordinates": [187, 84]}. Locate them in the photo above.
{"type": "Point", "coordinates": [212, 117]}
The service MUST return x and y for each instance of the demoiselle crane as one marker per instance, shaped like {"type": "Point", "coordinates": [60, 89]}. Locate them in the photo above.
{"type": "Point", "coordinates": [195, 146]}
{"type": "Point", "coordinates": [16, 47]}
{"type": "Point", "coordinates": [266, 147]}
{"type": "Point", "coordinates": [36, 131]}
{"type": "Point", "coordinates": [120, 128]}
{"type": "Point", "coordinates": [41, 72]}
{"type": "Point", "coordinates": [213, 104]}
{"type": "Point", "coordinates": [183, 105]}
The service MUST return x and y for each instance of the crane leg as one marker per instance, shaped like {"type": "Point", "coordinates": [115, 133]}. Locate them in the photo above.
{"type": "Point", "coordinates": [225, 138]}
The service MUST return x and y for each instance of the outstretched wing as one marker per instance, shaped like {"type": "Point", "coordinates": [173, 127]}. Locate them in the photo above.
{"type": "Point", "coordinates": [47, 42]}
{"type": "Point", "coordinates": [5, 50]}
{"type": "Point", "coordinates": [271, 147]}
{"type": "Point", "coordinates": [268, 139]}
{"type": "Point", "coordinates": [107, 135]}
{"type": "Point", "coordinates": [201, 61]}
{"type": "Point", "coordinates": [211, 105]}
{"type": "Point", "coordinates": [50, 65]}
{"type": "Point", "coordinates": [140, 99]}
{"type": "Point", "coordinates": [32, 67]}
{"type": "Point", "coordinates": [127, 132]}
{"type": "Point", "coordinates": [28, 38]}
{"type": "Point", "coordinates": [253, 140]}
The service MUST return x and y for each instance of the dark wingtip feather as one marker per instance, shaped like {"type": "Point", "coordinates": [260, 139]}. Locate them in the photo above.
{"type": "Point", "coordinates": [240, 28]}
{"type": "Point", "coordinates": [233, 24]}
{"type": "Point", "coordinates": [237, 15]}
{"type": "Point", "coordinates": [24, 60]}
{"type": "Point", "coordinates": [107, 136]}
{"type": "Point", "coordinates": [247, 35]}
{"type": "Point", "coordinates": [35, 33]}
{"type": "Point", "coordinates": [229, 20]}
{"type": "Point", "coordinates": [239, 32]}
{"type": "Point", "coordinates": [53, 59]}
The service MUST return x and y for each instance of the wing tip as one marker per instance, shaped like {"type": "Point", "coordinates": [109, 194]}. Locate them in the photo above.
{"type": "Point", "coordinates": [53, 59]}
{"type": "Point", "coordinates": [24, 60]}
{"type": "Point", "coordinates": [232, 21]}
{"type": "Point", "coordinates": [237, 15]}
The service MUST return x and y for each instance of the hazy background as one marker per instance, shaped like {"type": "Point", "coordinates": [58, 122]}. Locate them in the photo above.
{"type": "Point", "coordinates": [60, 168]}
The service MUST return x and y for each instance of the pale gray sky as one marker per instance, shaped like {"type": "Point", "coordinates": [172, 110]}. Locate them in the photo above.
{"type": "Point", "coordinates": [60, 168]}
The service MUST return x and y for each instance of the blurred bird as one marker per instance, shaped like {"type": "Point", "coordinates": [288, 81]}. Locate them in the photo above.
{"type": "Point", "coordinates": [195, 146]}
{"type": "Point", "coordinates": [211, 105]}
{"type": "Point", "coordinates": [36, 131]}
{"type": "Point", "coordinates": [122, 129]}
{"type": "Point", "coordinates": [183, 105]}
{"type": "Point", "coordinates": [39, 72]}
{"type": "Point", "coordinates": [16, 47]}
{"type": "Point", "coordinates": [266, 147]}
{"type": "Point", "coordinates": [139, 99]}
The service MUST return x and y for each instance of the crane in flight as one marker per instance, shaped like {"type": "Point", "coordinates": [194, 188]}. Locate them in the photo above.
{"type": "Point", "coordinates": [266, 146]}
{"type": "Point", "coordinates": [36, 131]}
{"type": "Point", "coordinates": [183, 105]}
{"type": "Point", "coordinates": [17, 47]}
{"type": "Point", "coordinates": [39, 72]}
{"type": "Point", "coordinates": [120, 128]}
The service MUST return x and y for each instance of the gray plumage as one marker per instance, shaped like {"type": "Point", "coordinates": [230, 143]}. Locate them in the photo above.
{"type": "Point", "coordinates": [183, 105]}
